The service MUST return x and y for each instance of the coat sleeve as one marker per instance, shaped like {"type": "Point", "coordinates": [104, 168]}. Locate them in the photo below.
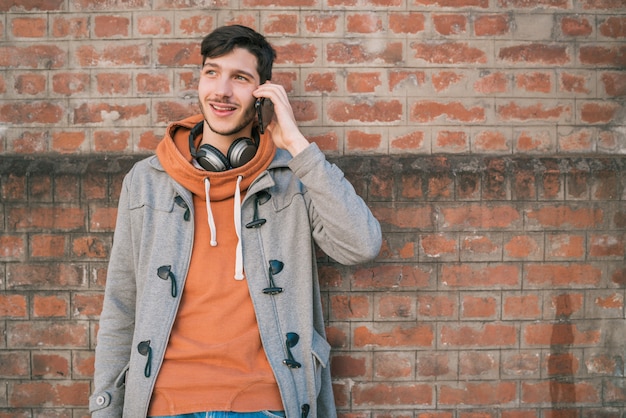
{"type": "Point", "coordinates": [342, 224]}
{"type": "Point", "coordinates": [116, 320]}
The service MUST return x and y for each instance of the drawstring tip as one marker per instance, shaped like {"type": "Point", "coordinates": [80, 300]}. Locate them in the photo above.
{"type": "Point", "coordinates": [239, 276]}
{"type": "Point", "coordinates": [213, 243]}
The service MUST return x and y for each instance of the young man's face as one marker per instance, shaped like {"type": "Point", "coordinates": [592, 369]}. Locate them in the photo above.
{"type": "Point", "coordinates": [225, 92]}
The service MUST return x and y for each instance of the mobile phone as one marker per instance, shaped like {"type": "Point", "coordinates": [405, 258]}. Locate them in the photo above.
{"type": "Point", "coordinates": [265, 112]}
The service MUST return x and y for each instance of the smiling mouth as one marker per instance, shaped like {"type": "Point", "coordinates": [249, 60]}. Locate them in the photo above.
{"type": "Point", "coordinates": [222, 107]}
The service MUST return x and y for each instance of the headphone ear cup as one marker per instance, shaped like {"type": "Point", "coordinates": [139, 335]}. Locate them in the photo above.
{"type": "Point", "coordinates": [241, 151]}
{"type": "Point", "coordinates": [211, 159]}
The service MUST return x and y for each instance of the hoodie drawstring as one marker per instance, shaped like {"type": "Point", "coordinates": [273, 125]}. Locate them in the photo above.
{"type": "Point", "coordinates": [239, 253]}
{"type": "Point", "coordinates": [237, 215]}
{"type": "Point", "coordinates": [207, 187]}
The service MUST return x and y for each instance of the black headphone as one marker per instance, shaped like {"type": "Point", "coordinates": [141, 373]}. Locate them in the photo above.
{"type": "Point", "coordinates": [240, 152]}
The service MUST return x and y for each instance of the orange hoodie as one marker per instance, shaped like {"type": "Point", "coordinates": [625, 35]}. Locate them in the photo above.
{"type": "Point", "coordinates": [214, 359]}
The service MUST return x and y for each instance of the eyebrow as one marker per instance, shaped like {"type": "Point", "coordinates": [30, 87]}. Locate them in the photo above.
{"type": "Point", "coordinates": [239, 71]}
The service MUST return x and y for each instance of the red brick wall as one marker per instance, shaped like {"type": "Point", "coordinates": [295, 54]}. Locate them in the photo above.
{"type": "Point", "coordinates": [488, 136]}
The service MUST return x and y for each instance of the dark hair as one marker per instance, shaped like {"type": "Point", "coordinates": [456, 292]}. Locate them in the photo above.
{"type": "Point", "coordinates": [226, 38]}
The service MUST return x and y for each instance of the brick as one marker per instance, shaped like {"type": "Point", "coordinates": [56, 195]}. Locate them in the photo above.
{"type": "Point", "coordinates": [13, 306]}
{"type": "Point", "coordinates": [395, 336]}
{"type": "Point", "coordinates": [454, 3]}
{"type": "Point", "coordinates": [565, 246]}
{"type": "Point", "coordinates": [38, 56]}
{"type": "Point", "coordinates": [349, 307]}
{"type": "Point", "coordinates": [481, 217]}
{"type": "Point", "coordinates": [614, 83]}
{"type": "Point", "coordinates": [600, 55]}
{"type": "Point", "coordinates": [111, 141]}
{"type": "Point", "coordinates": [554, 275]}
{"type": "Point", "coordinates": [75, 27]}
{"type": "Point", "coordinates": [535, 82]}
{"type": "Point", "coordinates": [607, 246]}
{"type": "Point", "coordinates": [500, 393]}
{"type": "Point", "coordinates": [392, 276]}
{"type": "Point", "coordinates": [29, 113]}
{"type": "Point", "coordinates": [356, 53]}
{"type": "Point", "coordinates": [30, 142]}
{"type": "Point", "coordinates": [14, 365]}
{"type": "Point", "coordinates": [107, 26]}
{"type": "Point", "coordinates": [154, 25]}
{"type": "Point", "coordinates": [565, 217]}
{"type": "Point", "coordinates": [359, 140]}
{"type": "Point", "coordinates": [440, 246]}
{"type": "Point", "coordinates": [523, 247]}
{"type": "Point", "coordinates": [448, 53]}
{"type": "Point", "coordinates": [321, 23]}
{"type": "Point", "coordinates": [61, 394]}
{"type": "Point", "coordinates": [576, 26]}
{"type": "Point", "coordinates": [410, 142]}
{"type": "Point", "coordinates": [391, 395]}
{"type": "Point", "coordinates": [478, 307]}
{"type": "Point", "coordinates": [559, 334]}
{"type": "Point", "coordinates": [394, 365]}
{"type": "Point", "coordinates": [45, 276]}
{"type": "Point", "coordinates": [524, 364]}
{"type": "Point", "coordinates": [562, 364]}
{"type": "Point", "coordinates": [46, 218]}
{"type": "Point", "coordinates": [112, 84]}
{"type": "Point", "coordinates": [410, 23]}
{"type": "Point", "coordinates": [66, 188]}
{"type": "Point", "coordinates": [70, 84]}
{"type": "Point", "coordinates": [104, 112]}
{"type": "Point", "coordinates": [450, 24]}
{"type": "Point", "coordinates": [296, 53]}
{"type": "Point", "coordinates": [50, 334]}
{"type": "Point", "coordinates": [564, 305]}
{"type": "Point", "coordinates": [599, 112]}
{"type": "Point", "coordinates": [85, 306]}
{"type": "Point", "coordinates": [492, 25]}
{"type": "Point", "coordinates": [116, 54]}
{"type": "Point", "coordinates": [436, 365]}
{"type": "Point", "coordinates": [30, 84]}
{"type": "Point", "coordinates": [487, 335]}
{"type": "Point", "coordinates": [381, 111]}
{"type": "Point", "coordinates": [363, 23]}
{"type": "Point", "coordinates": [521, 307]}
{"type": "Point", "coordinates": [396, 307]}
{"type": "Point", "coordinates": [351, 366]}
{"type": "Point", "coordinates": [403, 78]}
{"type": "Point", "coordinates": [12, 247]}
{"type": "Point", "coordinates": [573, 83]}
{"type": "Point", "coordinates": [51, 365]}
{"type": "Point", "coordinates": [556, 392]}
{"type": "Point", "coordinates": [613, 27]}
{"type": "Point", "coordinates": [426, 111]}
{"type": "Point", "coordinates": [535, 53]}
{"type": "Point", "coordinates": [82, 364]}
{"type": "Point", "coordinates": [50, 306]}
{"type": "Point", "coordinates": [483, 364]}
{"type": "Point", "coordinates": [444, 79]}
{"type": "Point", "coordinates": [153, 83]}
{"type": "Point", "coordinates": [437, 306]}
{"type": "Point", "coordinates": [47, 246]}
{"type": "Point", "coordinates": [515, 111]}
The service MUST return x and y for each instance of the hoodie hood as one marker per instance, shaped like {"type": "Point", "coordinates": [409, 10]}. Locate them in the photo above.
{"type": "Point", "coordinates": [175, 156]}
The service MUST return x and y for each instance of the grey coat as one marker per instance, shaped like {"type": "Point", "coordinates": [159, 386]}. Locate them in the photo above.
{"type": "Point", "coordinates": [311, 201]}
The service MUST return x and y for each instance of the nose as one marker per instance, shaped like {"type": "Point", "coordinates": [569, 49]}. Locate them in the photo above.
{"type": "Point", "coordinates": [223, 87]}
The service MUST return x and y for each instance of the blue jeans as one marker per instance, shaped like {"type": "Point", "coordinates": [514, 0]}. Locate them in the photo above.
{"type": "Point", "coordinates": [261, 414]}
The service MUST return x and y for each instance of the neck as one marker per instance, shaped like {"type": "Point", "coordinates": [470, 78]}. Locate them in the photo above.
{"type": "Point", "coordinates": [222, 142]}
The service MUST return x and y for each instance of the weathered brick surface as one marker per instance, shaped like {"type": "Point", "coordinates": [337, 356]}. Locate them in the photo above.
{"type": "Point", "coordinates": [484, 303]}
{"type": "Point", "coordinates": [487, 137]}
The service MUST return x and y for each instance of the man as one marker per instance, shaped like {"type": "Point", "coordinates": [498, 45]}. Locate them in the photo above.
{"type": "Point", "coordinates": [212, 304]}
